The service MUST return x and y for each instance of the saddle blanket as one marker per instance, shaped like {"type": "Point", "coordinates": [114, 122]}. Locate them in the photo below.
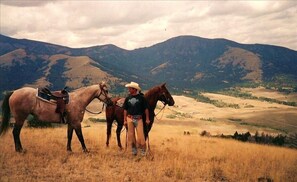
{"type": "Point", "coordinates": [45, 97]}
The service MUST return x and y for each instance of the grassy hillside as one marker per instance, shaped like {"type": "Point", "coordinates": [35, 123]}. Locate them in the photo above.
{"type": "Point", "coordinates": [176, 158]}
{"type": "Point", "coordinates": [184, 62]}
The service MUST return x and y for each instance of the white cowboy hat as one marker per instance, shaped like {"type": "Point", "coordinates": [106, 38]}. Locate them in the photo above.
{"type": "Point", "coordinates": [133, 85]}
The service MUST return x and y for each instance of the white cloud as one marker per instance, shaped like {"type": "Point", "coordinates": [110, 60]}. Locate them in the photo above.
{"type": "Point", "coordinates": [133, 24]}
{"type": "Point", "coordinates": [25, 3]}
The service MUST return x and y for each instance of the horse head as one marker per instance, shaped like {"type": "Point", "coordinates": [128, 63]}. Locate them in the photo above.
{"type": "Point", "coordinates": [103, 94]}
{"type": "Point", "coordinates": [165, 96]}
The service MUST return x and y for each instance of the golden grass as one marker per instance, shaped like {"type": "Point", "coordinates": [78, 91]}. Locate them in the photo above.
{"type": "Point", "coordinates": [176, 158]}
{"type": "Point", "coordinates": [262, 92]}
{"type": "Point", "coordinates": [262, 116]}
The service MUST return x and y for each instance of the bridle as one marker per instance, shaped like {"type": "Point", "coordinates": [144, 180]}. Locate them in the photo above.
{"type": "Point", "coordinates": [102, 92]}
{"type": "Point", "coordinates": [164, 101]}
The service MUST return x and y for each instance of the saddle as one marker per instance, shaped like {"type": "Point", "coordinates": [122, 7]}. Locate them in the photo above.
{"type": "Point", "coordinates": [60, 97]}
{"type": "Point", "coordinates": [48, 95]}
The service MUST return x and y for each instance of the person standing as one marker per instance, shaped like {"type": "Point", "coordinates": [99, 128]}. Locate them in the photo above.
{"type": "Point", "coordinates": [135, 106]}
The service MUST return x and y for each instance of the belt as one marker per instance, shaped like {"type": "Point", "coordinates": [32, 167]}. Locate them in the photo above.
{"type": "Point", "coordinates": [134, 116]}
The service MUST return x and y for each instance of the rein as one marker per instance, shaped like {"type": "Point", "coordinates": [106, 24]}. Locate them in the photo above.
{"type": "Point", "coordinates": [96, 112]}
{"type": "Point", "coordinates": [162, 109]}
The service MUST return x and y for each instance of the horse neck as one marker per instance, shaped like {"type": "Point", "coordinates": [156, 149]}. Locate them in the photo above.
{"type": "Point", "coordinates": [152, 98]}
{"type": "Point", "coordinates": [86, 95]}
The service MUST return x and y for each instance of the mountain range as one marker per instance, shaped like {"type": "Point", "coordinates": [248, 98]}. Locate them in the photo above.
{"type": "Point", "coordinates": [185, 63]}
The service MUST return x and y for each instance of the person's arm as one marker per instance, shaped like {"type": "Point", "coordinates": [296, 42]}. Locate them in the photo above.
{"type": "Point", "coordinates": [146, 110]}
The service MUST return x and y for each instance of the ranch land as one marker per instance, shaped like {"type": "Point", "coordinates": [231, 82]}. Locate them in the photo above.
{"type": "Point", "coordinates": [178, 151]}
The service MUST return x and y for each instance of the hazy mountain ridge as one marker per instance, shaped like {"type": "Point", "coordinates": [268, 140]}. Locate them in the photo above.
{"type": "Point", "coordinates": [184, 62]}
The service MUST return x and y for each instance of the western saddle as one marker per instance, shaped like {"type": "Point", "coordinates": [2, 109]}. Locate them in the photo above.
{"type": "Point", "coordinates": [60, 97]}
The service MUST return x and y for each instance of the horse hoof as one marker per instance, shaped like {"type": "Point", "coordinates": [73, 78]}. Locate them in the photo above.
{"type": "Point", "coordinates": [21, 151]}
{"type": "Point", "coordinates": [86, 151]}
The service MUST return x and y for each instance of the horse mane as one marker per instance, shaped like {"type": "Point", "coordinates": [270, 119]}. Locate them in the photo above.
{"type": "Point", "coordinates": [83, 88]}
{"type": "Point", "coordinates": [151, 91]}
{"type": "Point", "coordinates": [152, 96]}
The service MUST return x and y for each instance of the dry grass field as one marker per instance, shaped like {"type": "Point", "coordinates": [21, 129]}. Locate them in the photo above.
{"type": "Point", "coordinates": [176, 157]}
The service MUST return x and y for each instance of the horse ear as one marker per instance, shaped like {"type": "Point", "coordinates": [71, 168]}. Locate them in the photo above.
{"type": "Point", "coordinates": [102, 83]}
{"type": "Point", "coordinates": [163, 85]}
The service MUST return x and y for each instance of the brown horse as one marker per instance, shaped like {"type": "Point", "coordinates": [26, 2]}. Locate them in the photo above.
{"type": "Point", "coordinates": [22, 102]}
{"type": "Point", "coordinates": [115, 112]}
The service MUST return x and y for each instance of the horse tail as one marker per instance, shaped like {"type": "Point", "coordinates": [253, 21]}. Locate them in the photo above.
{"type": "Point", "coordinates": [5, 114]}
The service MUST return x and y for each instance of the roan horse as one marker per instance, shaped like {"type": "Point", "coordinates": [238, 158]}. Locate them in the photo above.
{"type": "Point", "coordinates": [115, 112]}
{"type": "Point", "coordinates": [22, 102]}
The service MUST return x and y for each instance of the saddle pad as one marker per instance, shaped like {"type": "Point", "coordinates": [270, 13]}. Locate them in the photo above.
{"type": "Point", "coordinates": [44, 97]}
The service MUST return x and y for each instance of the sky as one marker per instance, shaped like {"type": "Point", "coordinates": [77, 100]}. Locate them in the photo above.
{"type": "Point", "coordinates": [136, 24]}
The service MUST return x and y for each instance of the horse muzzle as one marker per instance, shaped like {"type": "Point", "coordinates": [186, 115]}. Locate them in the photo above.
{"type": "Point", "coordinates": [109, 102]}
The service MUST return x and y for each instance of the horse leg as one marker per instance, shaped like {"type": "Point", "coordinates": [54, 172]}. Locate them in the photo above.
{"type": "Point", "coordinates": [108, 130]}
{"type": "Point", "coordinates": [69, 137]}
{"type": "Point", "coordinates": [147, 129]}
{"type": "Point", "coordinates": [16, 136]}
{"type": "Point", "coordinates": [119, 130]}
{"type": "Point", "coordinates": [79, 134]}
